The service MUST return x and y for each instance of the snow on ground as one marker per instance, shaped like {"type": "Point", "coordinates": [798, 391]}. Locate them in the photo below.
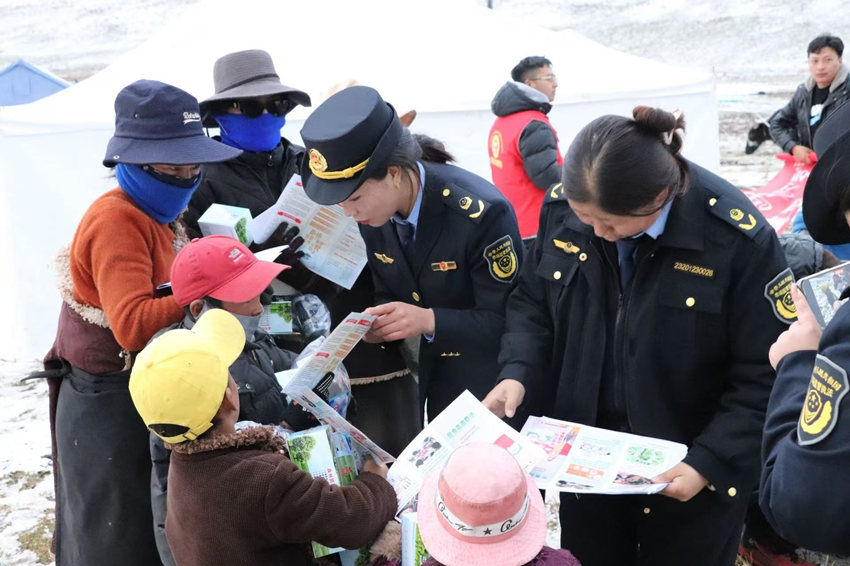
{"type": "Point", "coordinates": [755, 49]}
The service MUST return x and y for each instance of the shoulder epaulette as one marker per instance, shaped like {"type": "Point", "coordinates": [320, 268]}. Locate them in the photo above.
{"type": "Point", "coordinates": [464, 203]}
{"type": "Point", "coordinates": [555, 193]}
{"type": "Point", "coordinates": [740, 213]}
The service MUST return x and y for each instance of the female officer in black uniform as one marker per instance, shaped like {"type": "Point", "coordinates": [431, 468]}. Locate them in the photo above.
{"type": "Point", "coordinates": [651, 298]}
{"type": "Point", "coordinates": [804, 492]}
{"type": "Point", "coordinates": [443, 244]}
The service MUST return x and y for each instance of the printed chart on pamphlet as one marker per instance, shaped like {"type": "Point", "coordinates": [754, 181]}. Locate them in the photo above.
{"type": "Point", "coordinates": [585, 459]}
{"type": "Point", "coordinates": [464, 420]}
{"type": "Point", "coordinates": [299, 384]}
{"type": "Point", "coordinates": [332, 244]}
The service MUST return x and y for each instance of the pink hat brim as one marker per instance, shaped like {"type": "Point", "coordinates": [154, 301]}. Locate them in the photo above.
{"type": "Point", "coordinates": [249, 283]}
{"type": "Point", "coordinates": [520, 548]}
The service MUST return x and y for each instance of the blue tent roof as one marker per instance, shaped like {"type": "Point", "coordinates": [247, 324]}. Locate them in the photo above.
{"type": "Point", "coordinates": [22, 82]}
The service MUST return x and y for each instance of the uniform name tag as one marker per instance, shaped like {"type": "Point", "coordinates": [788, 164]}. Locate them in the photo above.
{"type": "Point", "coordinates": [706, 272]}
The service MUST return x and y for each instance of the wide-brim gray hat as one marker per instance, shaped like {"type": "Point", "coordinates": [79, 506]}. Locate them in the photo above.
{"type": "Point", "coordinates": [829, 180]}
{"type": "Point", "coordinates": [159, 123]}
{"type": "Point", "coordinates": [247, 74]}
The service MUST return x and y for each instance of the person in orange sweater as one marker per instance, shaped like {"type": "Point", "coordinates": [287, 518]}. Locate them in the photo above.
{"type": "Point", "coordinates": [122, 250]}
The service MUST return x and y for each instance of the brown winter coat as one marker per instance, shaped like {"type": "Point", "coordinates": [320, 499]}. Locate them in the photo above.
{"type": "Point", "coordinates": [237, 499]}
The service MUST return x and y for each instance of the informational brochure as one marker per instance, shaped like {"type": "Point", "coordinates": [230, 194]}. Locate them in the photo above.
{"type": "Point", "coordinates": [586, 459]}
{"type": "Point", "coordinates": [298, 384]}
{"type": "Point", "coordinates": [332, 244]}
{"type": "Point", "coordinates": [465, 420]}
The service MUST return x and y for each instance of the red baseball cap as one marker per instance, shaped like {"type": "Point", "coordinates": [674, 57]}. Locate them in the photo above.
{"type": "Point", "coordinates": [222, 268]}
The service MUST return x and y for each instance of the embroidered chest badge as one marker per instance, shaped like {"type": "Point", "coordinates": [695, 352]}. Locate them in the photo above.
{"type": "Point", "coordinates": [501, 259]}
{"type": "Point", "coordinates": [827, 386]}
{"type": "Point", "coordinates": [778, 293]}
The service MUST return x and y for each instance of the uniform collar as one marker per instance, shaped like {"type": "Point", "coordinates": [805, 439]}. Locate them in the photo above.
{"type": "Point", "coordinates": [413, 217]}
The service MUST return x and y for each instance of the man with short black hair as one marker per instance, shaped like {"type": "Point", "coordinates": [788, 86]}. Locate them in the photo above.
{"type": "Point", "coordinates": [793, 126]}
{"type": "Point", "coordinates": [525, 159]}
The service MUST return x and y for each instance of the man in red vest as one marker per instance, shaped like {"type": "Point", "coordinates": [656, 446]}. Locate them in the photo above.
{"type": "Point", "coordinates": [524, 155]}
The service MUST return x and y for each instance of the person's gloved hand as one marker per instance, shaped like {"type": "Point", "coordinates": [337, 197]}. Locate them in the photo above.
{"type": "Point", "coordinates": [284, 235]}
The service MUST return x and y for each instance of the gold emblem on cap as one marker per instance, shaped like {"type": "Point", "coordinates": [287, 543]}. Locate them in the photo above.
{"type": "Point", "coordinates": [318, 163]}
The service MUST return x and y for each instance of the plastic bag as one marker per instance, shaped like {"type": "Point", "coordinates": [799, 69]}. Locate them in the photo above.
{"type": "Point", "coordinates": [335, 388]}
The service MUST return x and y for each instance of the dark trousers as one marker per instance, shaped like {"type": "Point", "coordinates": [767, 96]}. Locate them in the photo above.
{"type": "Point", "coordinates": [388, 412]}
{"type": "Point", "coordinates": [103, 504]}
{"type": "Point", "coordinates": [652, 530]}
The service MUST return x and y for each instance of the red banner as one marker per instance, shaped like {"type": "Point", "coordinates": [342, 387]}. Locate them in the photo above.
{"type": "Point", "coordinates": [781, 198]}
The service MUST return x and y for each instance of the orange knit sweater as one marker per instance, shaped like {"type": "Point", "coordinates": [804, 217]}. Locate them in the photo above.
{"type": "Point", "coordinates": [118, 256]}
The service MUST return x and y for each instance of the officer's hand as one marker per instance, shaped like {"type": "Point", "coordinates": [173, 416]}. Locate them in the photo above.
{"type": "Point", "coordinates": [804, 334]}
{"type": "Point", "coordinates": [373, 467]}
{"type": "Point", "coordinates": [398, 320]}
{"type": "Point", "coordinates": [684, 482]}
{"type": "Point", "coordinates": [801, 154]}
{"type": "Point", "coordinates": [505, 398]}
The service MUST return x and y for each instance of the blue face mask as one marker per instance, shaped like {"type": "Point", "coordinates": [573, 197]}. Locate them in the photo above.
{"type": "Point", "coordinates": [250, 134]}
{"type": "Point", "coordinates": [160, 200]}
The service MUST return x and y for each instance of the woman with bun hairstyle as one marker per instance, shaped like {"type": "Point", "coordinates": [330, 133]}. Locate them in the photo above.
{"type": "Point", "coordinates": [648, 306]}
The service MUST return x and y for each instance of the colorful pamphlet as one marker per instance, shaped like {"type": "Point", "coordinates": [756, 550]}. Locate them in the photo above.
{"type": "Point", "coordinates": [413, 552]}
{"type": "Point", "coordinates": [586, 459]}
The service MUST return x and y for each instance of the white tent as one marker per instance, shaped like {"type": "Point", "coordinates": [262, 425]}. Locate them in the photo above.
{"type": "Point", "coordinates": [443, 58]}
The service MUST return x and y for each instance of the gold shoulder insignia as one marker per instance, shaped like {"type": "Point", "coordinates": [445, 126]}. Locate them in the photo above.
{"type": "Point", "coordinates": [568, 247]}
{"type": "Point", "coordinates": [464, 203]}
{"type": "Point", "coordinates": [384, 258]}
{"type": "Point", "coordinates": [555, 192]}
{"type": "Point", "coordinates": [827, 386]}
{"type": "Point", "coordinates": [741, 215]}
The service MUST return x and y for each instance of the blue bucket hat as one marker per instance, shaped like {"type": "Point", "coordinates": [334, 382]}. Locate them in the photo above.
{"type": "Point", "coordinates": [159, 123]}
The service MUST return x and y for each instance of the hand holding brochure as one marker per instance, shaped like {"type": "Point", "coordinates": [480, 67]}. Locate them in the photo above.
{"type": "Point", "coordinates": [332, 244]}
{"type": "Point", "coordinates": [298, 384]}
{"type": "Point", "coordinates": [586, 459]}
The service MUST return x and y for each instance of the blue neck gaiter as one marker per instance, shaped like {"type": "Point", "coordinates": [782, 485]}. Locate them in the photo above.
{"type": "Point", "coordinates": [250, 134]}
{"type": "Point", "coordinates": [161, 201]}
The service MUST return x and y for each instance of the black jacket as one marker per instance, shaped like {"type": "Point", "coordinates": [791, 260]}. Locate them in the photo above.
{"type": "Point", "coordinates": [683, 351]}
{"type": "Point", "coordinates": [789, 126]}
{"type": "Point", "coordinates": [804, 491]}
{"type": "Point", "coordinates": [462, 218]}
{"type": "Point", "coordinates": [538, 144]}
{"type": "Point", "coordinates": [252, 180]}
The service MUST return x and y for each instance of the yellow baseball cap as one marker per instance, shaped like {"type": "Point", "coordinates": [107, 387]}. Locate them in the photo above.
{"type": "Point", "coordinates": [178, 381]}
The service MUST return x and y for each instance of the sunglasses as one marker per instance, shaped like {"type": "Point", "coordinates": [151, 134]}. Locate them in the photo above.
{"type": "Point", "coordinates": [253, 108]}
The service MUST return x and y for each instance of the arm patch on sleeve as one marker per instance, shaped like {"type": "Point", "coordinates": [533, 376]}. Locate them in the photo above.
{"type": "Point", "coordinates": [827, 388]}
{"type": "Point", "coordinates": [778, 293]}
{"type": "Point", "coordinates": [501, 259]}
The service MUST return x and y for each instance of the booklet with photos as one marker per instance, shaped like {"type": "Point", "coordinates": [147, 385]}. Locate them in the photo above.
{"type": "Point", "coordinates": [823, 291]}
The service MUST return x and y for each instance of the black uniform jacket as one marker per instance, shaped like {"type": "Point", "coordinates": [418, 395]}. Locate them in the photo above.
{"type": "Point", "coordinates": [462, 264]}
{"type": "Point", "coordinates": [804, 489]}
{"type": "Point", "coordinates": [683, 349]}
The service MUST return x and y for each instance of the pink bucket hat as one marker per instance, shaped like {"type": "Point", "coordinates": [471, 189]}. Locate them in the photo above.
{"type": "Point", "coordinates": [481, 509]}
{"type": "Point", "coordinates": [220, 267]}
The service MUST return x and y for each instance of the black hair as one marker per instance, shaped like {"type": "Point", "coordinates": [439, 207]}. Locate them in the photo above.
{"type": "Point", "coordinates": [412, 148]}
{"type": "Point", "coordinates": [826, 40]}
{"type": "Point", "coordinates": [622, 165]}
{"type": "Point", "coordinates": [528, 65]}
